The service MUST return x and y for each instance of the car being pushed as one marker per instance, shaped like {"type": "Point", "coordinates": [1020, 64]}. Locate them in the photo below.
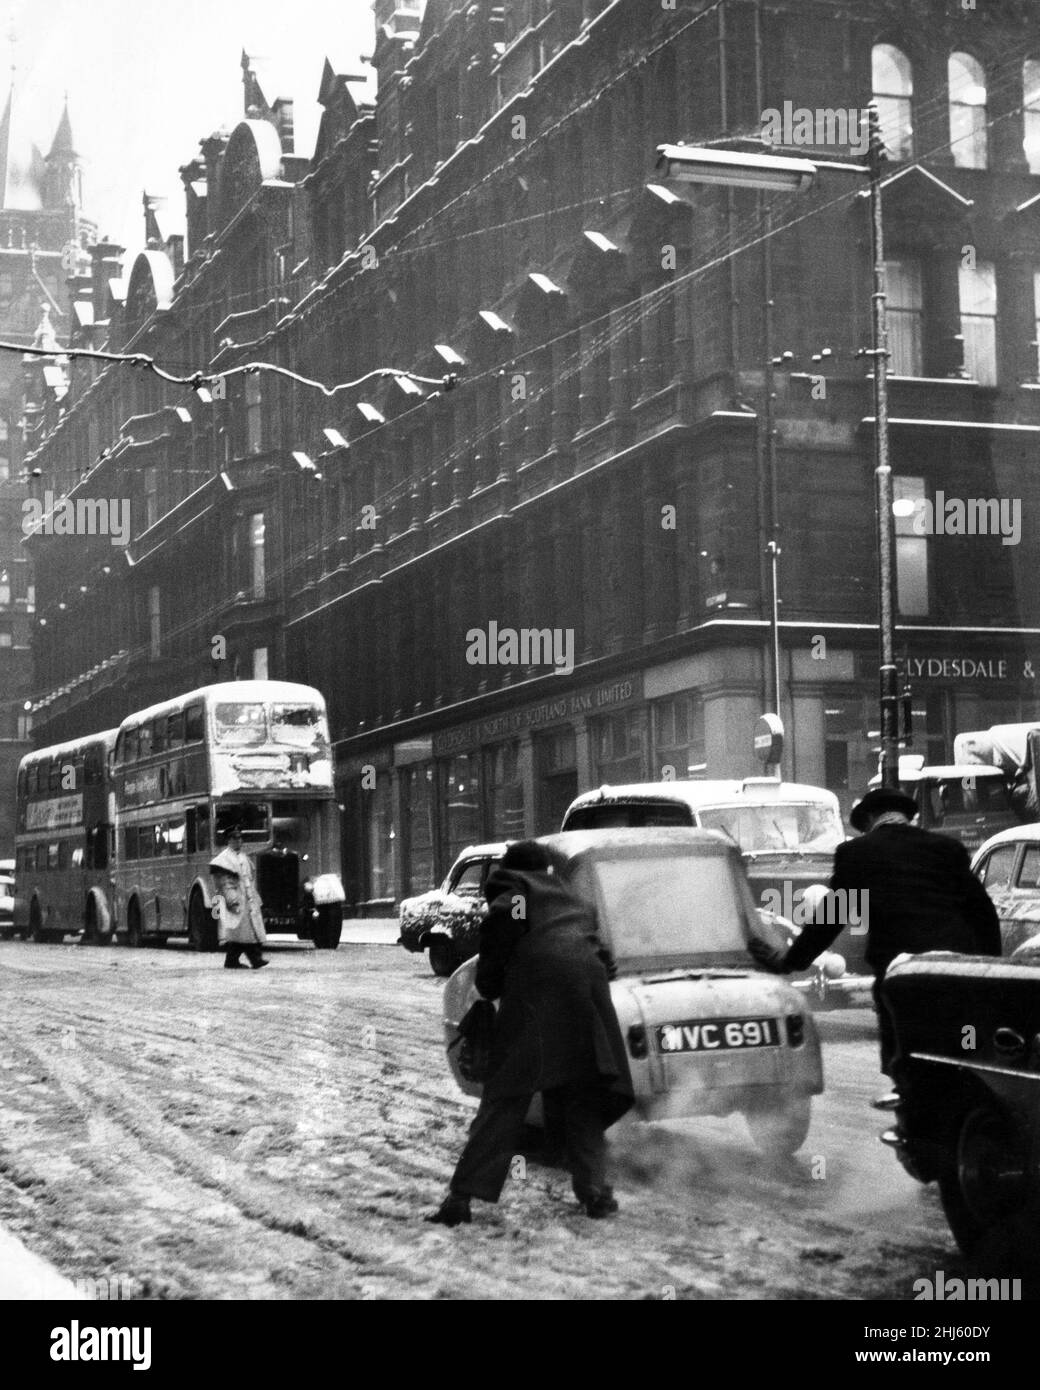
{"type": "Point", "coordinates": [446, 921]}
{"type": "Point", "coordinates": [707, 1032]}
{"type": "Point", "coordinates": [968, 1072]}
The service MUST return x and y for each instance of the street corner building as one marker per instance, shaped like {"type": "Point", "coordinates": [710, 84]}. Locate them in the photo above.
{"type": "Point", "coordinates": [655, 387]}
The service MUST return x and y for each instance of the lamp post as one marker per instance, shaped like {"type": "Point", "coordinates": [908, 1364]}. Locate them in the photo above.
{"type": "Point", "coordinates": [783, 173]}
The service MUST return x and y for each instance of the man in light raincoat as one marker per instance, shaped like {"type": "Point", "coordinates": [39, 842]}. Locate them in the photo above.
{"type": "Point", "coordinates": [237, 906]}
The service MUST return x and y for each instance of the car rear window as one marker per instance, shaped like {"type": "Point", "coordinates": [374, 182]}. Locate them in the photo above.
{"type": "Point", "coordinates": [995, 869]}
{"type": "Point", "coordinates": [671, 905]}
{"type": "Point", "coordinates": [628, 815]}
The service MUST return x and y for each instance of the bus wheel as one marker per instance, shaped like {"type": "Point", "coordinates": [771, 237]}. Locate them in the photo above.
{"type": "Point", "coordinates": [329, 927]}
{"type": "Point", "coordinates": [36, 931]}
{"type": "Point", "coordinates": [134, 934]}
{"type": "Point", "coordinates": [202, 929]}
{"type": "Point", "coordinates": [97, 926]}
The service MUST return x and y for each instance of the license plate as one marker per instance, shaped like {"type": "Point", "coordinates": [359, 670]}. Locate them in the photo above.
{"type": "Point", "coordinates": [725, 1035]}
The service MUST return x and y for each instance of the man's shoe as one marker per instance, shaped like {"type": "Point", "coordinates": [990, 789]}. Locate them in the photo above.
{"type": "Point", "coordinates": [230, 964]}
{"type": "Point", "coordinates": [259, 964]}
{"type": "Point", "coordinates": [603, 1204]}
{"type": "Point", "coordinates": [453, 1211]}
{"type": "Point", "coordinates": [889, 1101]}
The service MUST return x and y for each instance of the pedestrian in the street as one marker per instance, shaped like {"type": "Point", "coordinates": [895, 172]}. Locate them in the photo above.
{"type": "Point", "coordinates": [918, 892]}
{"type": "Point", "coordinates": [238, 909]}
{"type": "Point", "coordinates": [556, 1034]}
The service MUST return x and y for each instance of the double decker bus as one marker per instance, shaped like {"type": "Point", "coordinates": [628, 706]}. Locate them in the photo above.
{"type": "Point", "coordinates": [64, 840]}
{"type": "Point", "coordinates": [255, 754]}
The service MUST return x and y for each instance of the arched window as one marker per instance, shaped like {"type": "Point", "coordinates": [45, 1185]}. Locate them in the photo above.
{"type": "Point", "coordinates": [968, 136]}
{"type": "Point", "coordinates": [893, 85]}
{"type": "Point", "coordinates": [1031, 113]}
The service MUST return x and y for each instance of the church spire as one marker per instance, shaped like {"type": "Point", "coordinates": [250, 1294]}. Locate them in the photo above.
{"type": "Point", "coordinates": [63, 183]}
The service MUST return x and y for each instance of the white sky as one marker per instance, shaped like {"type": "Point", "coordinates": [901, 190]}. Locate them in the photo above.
{"type": "Point", "coordinates": [147, 79]}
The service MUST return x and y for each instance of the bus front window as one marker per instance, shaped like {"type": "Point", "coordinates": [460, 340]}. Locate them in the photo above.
{"type": "Point", "coordinates": [298, 726]}
{"type": "Point", "coordinates": [239, 725]}
{"type": "Point", "coordinates": [250, 816]}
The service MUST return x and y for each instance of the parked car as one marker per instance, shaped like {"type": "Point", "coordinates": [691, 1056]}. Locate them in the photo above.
{"type": "Point", "coordinates": [708, 1033]}
{"type": "Point", "coordinates": [968, 1030]}
{"type": "Point", "coordinates": [967, 801]}
{"type": "Point", "coordinates": [6, 899]}
{"type": "Point", "coordinates": [1009, 866]}
{"type": "Point", "coordinates": [446, 920]}
{"type": "Point", "coordinates": [787, 833]}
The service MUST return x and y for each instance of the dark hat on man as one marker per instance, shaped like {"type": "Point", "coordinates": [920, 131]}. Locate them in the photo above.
{"type": "Point", "coordinates": [879, 800]}
{"type": "Point", "coordinates": [527, 856]}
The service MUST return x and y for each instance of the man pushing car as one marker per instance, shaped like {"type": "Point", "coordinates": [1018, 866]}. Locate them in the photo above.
{"type": "Point", "coordinates": [556, 1034]}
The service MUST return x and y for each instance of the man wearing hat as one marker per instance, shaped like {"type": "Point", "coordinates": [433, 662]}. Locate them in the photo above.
{"type": "Point", "coordinates": [920, 895]}
{"type": "Point", "coordinates": [556, 1034]}
{"type": "Point", "coordinates": [238, 910]}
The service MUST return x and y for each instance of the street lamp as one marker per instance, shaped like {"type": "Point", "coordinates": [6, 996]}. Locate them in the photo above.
{"type": "Point", "coordinates": [703, 164]}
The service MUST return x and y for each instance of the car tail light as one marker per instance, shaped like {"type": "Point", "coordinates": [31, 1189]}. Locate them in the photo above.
{"type": "Point", "coordinates": [796, 1029]}
{"type": "Point", "coordinates": [637, 1040]}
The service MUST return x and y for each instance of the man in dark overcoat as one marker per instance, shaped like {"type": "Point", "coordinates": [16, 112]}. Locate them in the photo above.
{"type": "Point", "coordinates": [918, 892]}
{"type": "Point", "coordinates": [556, 1033]}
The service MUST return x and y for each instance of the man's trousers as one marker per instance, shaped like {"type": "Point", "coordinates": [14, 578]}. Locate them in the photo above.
{"type": "Point", "coordinates": [572, 1112]}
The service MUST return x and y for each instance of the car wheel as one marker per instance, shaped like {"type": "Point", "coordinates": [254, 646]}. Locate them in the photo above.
{"type": "Point", "coordinates": [329, 927]}
{"type": "Point", "coordinates": [202, 929]}
{"type": "Point", "coordinates": [134, 933]}
{"type": "Point", "coordinates": [444, 959]}
{"type": "Point", "coordinates": [780, 1128]}
{"type": "Point", "coordinates": [986, 1190]}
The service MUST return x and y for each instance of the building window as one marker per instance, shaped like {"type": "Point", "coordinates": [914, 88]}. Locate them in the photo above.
{"type": "Point", "coordinates": [968, 136]}
{"type": "Point", "coordinates": [908, 497]}
{"type": "Point", "coordinates": [905, 316]}
{"type": "Point", "coordinates": [1036, 325]}
{"type": "Point", "coordinates": [1031, 113]}
{"type": "Point", "coordinates": [5, 637]}
{"type": "Point", "coordinates": [151, 497]}
{"type": "Point", "coordinates": [5, 590]}
{"type": "Point", "coordinates": [678, 736]}
{"type": "Point", "coordinates": [893, 95]}
{"type": "Point", "coordinates": [5, 449]}
{"type": "Point", "coordinates": [25, 726]}
{"type": "Point", "coordinates": [505, 792]}
{"type": "Point", "coordinates": [154, 623]}
{"type": "Point", "coordinates": [619, 741]}
{"type": "Point", "coordinates": [417, 812]}
{"type": "Point", "coordinates": [30, 598]}
{"type": "Point", "coordinates": [978, 294]}
{"type": "Point", "coordinates": [256, 546]}
{"type": "Point", "coordinates": [254, 415]}
{"type": "Point", "coordinates": [260, 663]}
{"type": "Point", "coordinates": [461, 801]}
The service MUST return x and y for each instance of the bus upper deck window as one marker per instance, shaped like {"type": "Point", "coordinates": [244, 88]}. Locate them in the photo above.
{"type": "Point", "coordinates": [300, 725]}
{"type": "Point", "coordinates": [194, 724]}
{"type": "Point", "coordinates": [240, 725]}
{"type": "Point", "coordinates": [159, 736]}
{"type": "Point", "coordinates": [175, 730]}
{"type": "Point", "coordinates": [54, 775]}
{"type": "Point", "coordinates": [144, 741]}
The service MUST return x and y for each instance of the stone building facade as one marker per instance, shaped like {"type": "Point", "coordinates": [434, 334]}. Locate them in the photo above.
{"type": "Point", "coordinates": [632, 424]}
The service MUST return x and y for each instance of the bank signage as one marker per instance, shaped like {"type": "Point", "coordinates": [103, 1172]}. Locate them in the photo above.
{"type": "Point", "coordinates": [959, 668]}
{"type": "Point", "coordinates": [597, 699]}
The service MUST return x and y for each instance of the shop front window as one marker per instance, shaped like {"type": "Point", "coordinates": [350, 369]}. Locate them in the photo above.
{"type": "Point", "coordinates": [678, 737]}
{"type": "Point", "coordinates": [381, 839]}
{"type": "Point", "coordinates": [417, 803]}
{"type": "Point", "coordinates": [460, 798]}
{"type": "Point", "coordinates": [619, 747]}
{"type": "Point", "coordinates": [505, 792]}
